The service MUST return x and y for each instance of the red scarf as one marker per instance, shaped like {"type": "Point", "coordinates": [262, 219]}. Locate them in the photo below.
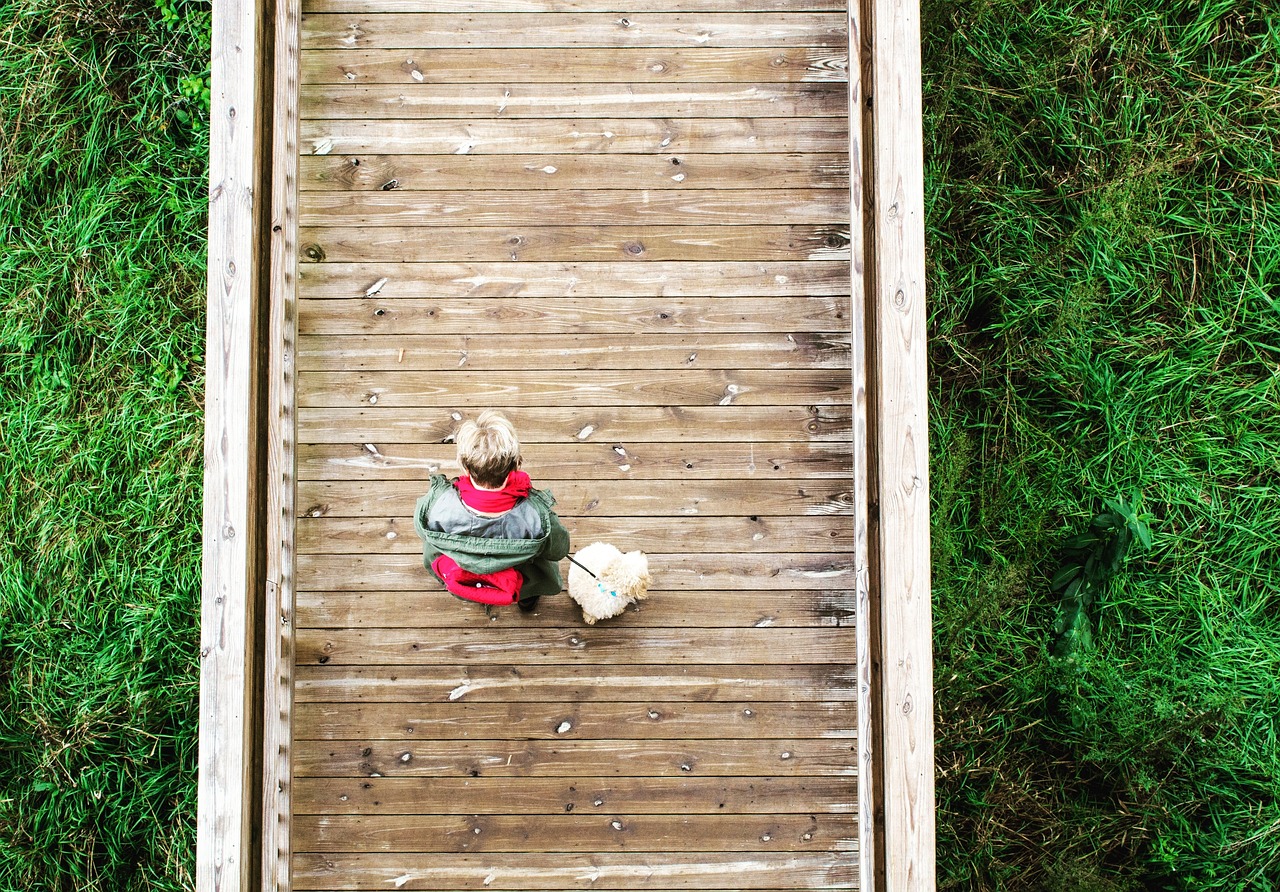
{"type": "Point", "coordinates": [495, 501]}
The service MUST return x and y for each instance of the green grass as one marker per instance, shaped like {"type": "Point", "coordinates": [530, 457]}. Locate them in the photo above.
{"type": "Point", "coordinates": [1104, 237]}
{"type": "Point", "coordinates": [102, 187]}
{"type": "Point", "coordinates": [1104, 251]}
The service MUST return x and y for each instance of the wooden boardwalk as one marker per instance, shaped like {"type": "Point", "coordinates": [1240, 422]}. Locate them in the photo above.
{"type": "Point", "coordinates": [631, 234]}
{"type": "Point", "coordinates": [681, 245]}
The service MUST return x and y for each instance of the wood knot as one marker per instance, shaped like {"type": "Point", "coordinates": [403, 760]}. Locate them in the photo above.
{"type": "Point", "coordinates": [635, 249]}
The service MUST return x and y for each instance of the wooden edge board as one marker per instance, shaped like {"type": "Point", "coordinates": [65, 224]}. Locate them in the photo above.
{"type": "Point", "coordinates": [278, 695]}
{"type": "Point", "coordinates": [898, 440]}
{"type": "Point", "coordinates": [229, 775]}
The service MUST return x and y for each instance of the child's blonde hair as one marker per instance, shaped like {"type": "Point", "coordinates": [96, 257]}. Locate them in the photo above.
{"type": "Point", "coordinates": [488, 449]}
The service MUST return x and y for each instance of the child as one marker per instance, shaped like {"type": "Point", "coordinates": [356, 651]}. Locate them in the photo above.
{"type": "Point", "coordinates": [489, 536]}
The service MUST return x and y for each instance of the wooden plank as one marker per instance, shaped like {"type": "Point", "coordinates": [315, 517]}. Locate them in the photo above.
{"type": "Point", "coordinates": [394, 535]}
{"type": "Point", "coordinates": [621, 498]}
{"type": "Point", "coordinates": [717, 757]}
{"type": "Point", "coordinates": [277, 786]}
{"type": "Point", "coordinates": [582, 795]}
{"type": "Point", "coordinates": [564, 65]}
{"type": "Point", "coordinates": [736, 350]}
{"type": "Point", "coordinates": [862, 269]}
{"type": "Point", "coordinates": [734, 424]}
{"type": "Point", "coordinates": [609, 136]}
{"type": "Point", "coordinates": [806, 608]}
{"type": "Point", "coordinates": [571, 315]}
{"type": "Point", "coordinates": [425, 281]}
{"type": "Point", "coordinates": [516, 6]}
{"type": "Point", "coordinates": [514, 100]}
{"type": "Point", "coordinates": [572, 207]}
{"type": "Point", "coordinates": [572, 833]}
{"type": "Point", "coordinates": [563, 871]}
{"type": "Point", "coordinates": [503, 30]}
{"type": "Point", "coordinates": [898, 355]}
{"type": "Point", "coordinates": [499, 683]}
{"type": "Point", "coordinates": [229, 778]}
{"type": "Point", "coordinates": [607, 172]}
{"type": "Point", "coordinates": [746, 387]}
{"type": "Point", "coordinates": [574, 645]}
{"type": "Point", "coordinates": [597, 461]}
{"type": "Point", "coordinates": [575, 243]}
{"type": "Point", "coordinates": [571, 722]}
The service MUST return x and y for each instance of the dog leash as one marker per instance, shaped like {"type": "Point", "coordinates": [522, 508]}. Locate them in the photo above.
{"type": "Point", "coordinates": [583, 566]}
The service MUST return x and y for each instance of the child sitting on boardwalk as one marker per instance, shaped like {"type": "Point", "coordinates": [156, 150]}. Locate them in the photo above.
{"type": "Point", "coordinates": [489, 536]}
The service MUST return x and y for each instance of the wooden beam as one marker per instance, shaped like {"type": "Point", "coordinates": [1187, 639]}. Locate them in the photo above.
{"type": "Point", "coordinates": [277, 750]}
{"type": "Point", "coordinates": [897, 436]}
{"type": "Point", "coordinates": [230, 673]}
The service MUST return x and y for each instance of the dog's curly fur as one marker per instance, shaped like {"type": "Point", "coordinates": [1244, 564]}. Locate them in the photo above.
{"type": "Point", "coordinates": [622, 579]}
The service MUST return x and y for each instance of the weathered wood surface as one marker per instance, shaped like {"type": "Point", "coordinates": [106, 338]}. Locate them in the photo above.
{"type": "Point", "coordinates": [229, 779]}
{"type": "Point", "coordinates": [564, 871]}
{"type": "Point", "coordinates": [735, 350]}
{"type": "Point", "coordinates": [573, 833]}
{"type": "Point", "coordinates": [502, 683]}
{"type": "Point", "coordinates": [633, 241]}
{"type": "Point", "coordinates": [622, 498]}
{"type": "Point", "coordinates": [586, 645]}
{"type": "Point", "coordinates": [594, 136]}
{"type": "Point", "coordinates": [539, 6]}
{"type": "Point", "coordinates": [800, 756]}
{"type": "Point", "coordinates": [394, 534]}
{"type": "Point", "coordinates": [554, 29]}
{"type": "Point", "coordinates": [576, 243]}
{"type": "Point", "coordinates": [562, 65]}
{"type": "Point", "coordinates": [571, 207]}
{"type": "Point", "coordinates": [516, 100]}
{"type": "Point", "coordinates": [579, 795]}
{"type": "Point", "coordinates": [422, 281]}
{"type": "Point", "coordinates": [767, 608]}
{"type": "Point", "coordinates": [740, 424]}
{"type": "Point", "coordinates": [588, 388]}
{"type": "Point", "coordinates": [572, 315]}
{"type": "Point", "coordinates": [594, 720]}
{"type": "Point", "coordinates": [594, 461]}
{"type": "Point", "coordinates": [608, 172]}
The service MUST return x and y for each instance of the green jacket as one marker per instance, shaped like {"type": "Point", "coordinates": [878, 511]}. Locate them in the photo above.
{"type": "Point", "coordinates": [537, 559]}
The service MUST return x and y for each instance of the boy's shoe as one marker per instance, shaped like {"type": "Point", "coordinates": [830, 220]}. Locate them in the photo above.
{"type": "Point", "coordinates": [528, 605]}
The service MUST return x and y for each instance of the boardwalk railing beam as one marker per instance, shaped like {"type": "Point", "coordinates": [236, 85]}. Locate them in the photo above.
{"type": "Point", "coordinates": [891, 421]}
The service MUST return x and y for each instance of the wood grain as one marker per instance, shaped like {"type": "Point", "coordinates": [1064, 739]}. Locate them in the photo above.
{"type": "Point", "coordinates": [590, 388]}
{"type": "Point", "coordinates": [736, 350]}
{"type": "Point", "coordinates": [622, 498]}
{"type": "Point", "coordinates": [501, 683]}
{"type": "Point", "coordinates": [682, 65]}
{"type": "Point", "coordinates": [735, 534]}
{"type": "Point", "coordinates": [521, 6]}
{"type": "Point", "coordinates": [677, 572]}
{"type": "Point", "coordinates": [563, 871]}
{"type": "Point", "coordinates": [737, 424]}
{"type": "Point", "coordinates": [806, 608]}
{"type": "Point", "coordinates": [575, 243]}
{"type": "Point", "coordinates": [608, 136]}
{"type": "Point", "coordinates": [426, 281]}
{"type": "Point", "coordinates": [570, 315]}
{"type": "Point", "coordinates": [515, 100]}
{"type": "Point", "coordinates": [497, 30]}
{"type": "Point", "coordinates": [901, 445]}
{"type": "Point", "coordinates": [794, 756]}
{"type": "Point", "coordinates": [572, 207]}
{"type": "Point", "coordinates": [580, 795]}
{"type": "Point", "coordinates": [608, 172]}
{"type": "Point", "coordinates": [572, 833]}
{"type": "Point", "coordinates": [277, 749]}
{"type": "Point", "coordinates": [229, 779]}
{"type": "Point", "coordinates": [572, 722]}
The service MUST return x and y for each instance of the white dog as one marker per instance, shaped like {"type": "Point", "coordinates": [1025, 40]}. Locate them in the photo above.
{"type": "Point", "coordinates": [610, 583]}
